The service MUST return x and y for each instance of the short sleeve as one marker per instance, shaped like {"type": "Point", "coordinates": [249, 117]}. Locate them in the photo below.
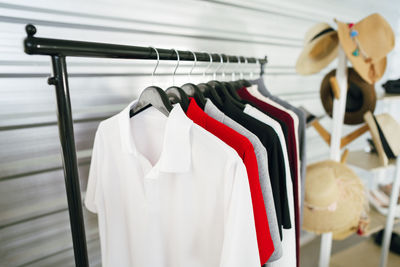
{"type": "Point", "coordinates": [92, 189]}
{"type": "Point", "coordinates": [240, 240]}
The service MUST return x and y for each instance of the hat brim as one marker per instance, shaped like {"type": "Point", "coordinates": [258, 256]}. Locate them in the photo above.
{"type": "Point", "coordinates": [389, 128]}
{"type": "Point", "coordinates": [369, 71]}
{"type": "Point", "coordinates": [344, 219]}
{"type": "Point", "coordinates": [306, 64]}
{"type": "Point", "coordinates": [367, 91]}
{"type": "Point", "coordinates": [373, 129]}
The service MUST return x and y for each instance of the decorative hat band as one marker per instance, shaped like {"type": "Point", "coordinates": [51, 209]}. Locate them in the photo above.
{"type": "Point", "coordinates": [322, 33]}
{"type": "Point", "coordinates": [332, 207]}
{"type": "Point", "coordinates": [344, 193]}
{"type": "Point", "coordinates": [358, 50]}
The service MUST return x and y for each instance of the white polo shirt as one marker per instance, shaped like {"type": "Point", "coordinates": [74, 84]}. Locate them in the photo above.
{"type": "Point", "coordinates": [169, 194]}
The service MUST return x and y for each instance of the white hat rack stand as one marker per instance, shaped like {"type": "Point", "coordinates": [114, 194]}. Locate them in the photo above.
{"type": "Point", "coordinates": [339, 87]}
{"type": "Point", "coordinates": [339, 105]}
{"type": "Point", "coordinates": [391, 215]}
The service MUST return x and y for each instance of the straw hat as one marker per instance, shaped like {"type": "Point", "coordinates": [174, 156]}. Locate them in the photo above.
{"type": "Point", "coordinates": [320, 48]}
{"type": "Point", "coordinates": [385, 131]}
{"type": "Point", "coordinates": [366, 44]}
{"type": "Point", "coordinates": [361, 97]}
{"type": "Point", "coordinates": [334, 200]}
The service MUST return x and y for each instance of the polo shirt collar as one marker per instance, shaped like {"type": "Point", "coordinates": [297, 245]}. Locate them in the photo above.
{"type": "Point", "coordinates": [176, 151]}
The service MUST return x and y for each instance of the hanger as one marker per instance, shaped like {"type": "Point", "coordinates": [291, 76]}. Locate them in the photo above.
{"type": "Point", "coordinates": [221, 87]}
{"type": "Point", "coordinates": [233, 86]}
{"type": "Point", "coordinates": [152, 96]}
{"type": "Point", "coordinates": [236, 84]}
{"type": "Point", "coordinates": [176, 94]}
{"type": "Point", "coordinates": [208, 90]}
{"type": "Point", "coordinates": [232, 91]}
{"type": "Point", "coordinates": [246, 83]}
{"type": "Point", "coordinates": [192, 90]}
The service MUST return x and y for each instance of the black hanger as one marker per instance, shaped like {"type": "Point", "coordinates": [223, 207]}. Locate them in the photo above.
{"type": "Point", "coordinates": [193, 91]}
{"type": "Point", "coordinates": [209, 91]}
{"type": "Point", "coordinates": [236, 84]}
{"type": "Point", "coordinates": [177, 95]}
{"type": "Point", "coordinates": [245, 83]}
{"type": "Point", "coordinates": [232, 88]}
{"type": "Point", "coordinates": [242, 82]}
{"type": "Point", "coordinates": [231, 91]}
{"type": "Point", "coordinates": [224, 93]}
{"type": "Point", "coordinates": [152, 96]}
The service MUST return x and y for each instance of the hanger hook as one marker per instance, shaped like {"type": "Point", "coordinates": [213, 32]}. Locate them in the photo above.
{"type": "Point", "coordinates": [194, 64]}
{"type": "Point", "coordinates": [251, 73]}
{"type": "Point", "coordinates": [219, 66]}
{"type": "Point", "coordinates": [158, 62]}
{"type": "Point", "coordinates": [241, 69]}
{"type": "Point", "coordinates": [176, 67]}
{"type": "Point", "coordinates": [208, 66]}
{"type": "Point", "coordinates": [224, 67]}
{"type": "Point", "coordinates": [251, 70]}
{"type": "Point", "coordinates": [233, 74]}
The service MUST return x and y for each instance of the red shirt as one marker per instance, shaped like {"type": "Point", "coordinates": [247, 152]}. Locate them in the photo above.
{"type": "Point", "coordinates": [287, 119]}
{"type": "Point", "coordinates": [246, 151]}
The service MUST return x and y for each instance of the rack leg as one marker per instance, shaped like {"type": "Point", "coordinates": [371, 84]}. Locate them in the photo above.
{"type": "Point", "coordinates": [66, 134]}
{"type": "Point", "coordinates": [390, 218]}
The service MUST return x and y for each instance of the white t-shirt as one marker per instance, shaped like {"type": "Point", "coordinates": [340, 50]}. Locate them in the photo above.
{"type": "Point", "coordinates": [288, 258]}
{"type": "Point", "coordinates": [169, 194]}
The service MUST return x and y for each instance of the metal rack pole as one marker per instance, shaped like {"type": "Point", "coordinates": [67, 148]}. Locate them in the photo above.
{"type": "Point", "coordinates": [66, 134]}
{"type": "Point", "coordinates": [45, 46]}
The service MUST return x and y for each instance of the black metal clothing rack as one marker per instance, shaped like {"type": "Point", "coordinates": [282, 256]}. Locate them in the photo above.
{"type": "Point", "coordinates": [58, 50]}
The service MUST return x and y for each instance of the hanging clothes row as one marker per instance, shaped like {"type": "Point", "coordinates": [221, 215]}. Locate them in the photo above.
{"type": "Point", "coordinates": [200, 175]}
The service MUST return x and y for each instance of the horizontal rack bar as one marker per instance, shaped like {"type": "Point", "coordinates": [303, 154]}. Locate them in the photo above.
{"type": "Point", "coordinates": [58, 47]}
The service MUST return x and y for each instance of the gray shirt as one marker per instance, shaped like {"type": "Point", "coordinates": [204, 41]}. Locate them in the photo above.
{"type": "Point", "coordinates": [262, 162]}
{"type": "Point", "coordinates": [302, 134]}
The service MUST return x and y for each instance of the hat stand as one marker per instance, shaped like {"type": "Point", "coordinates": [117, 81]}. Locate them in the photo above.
{"type": "Point", "coordinates": [339, 104]}
{"type": "Point", "coordinates": [326, 136]}
{"type": "Point", "coordinates": [339, 86]}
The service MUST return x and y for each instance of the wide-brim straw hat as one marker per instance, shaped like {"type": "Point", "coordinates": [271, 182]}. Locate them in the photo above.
{"type": "Point", "coordinates": [366, 44]}
{"type": "Point", "coordinates": [384, 131]}
{"type": "Point", "coordinates": [334, 199]}
{"type": "Point", "coordinates": [361, 97]}
{"type": "Point", "coordinates": [320, 48]}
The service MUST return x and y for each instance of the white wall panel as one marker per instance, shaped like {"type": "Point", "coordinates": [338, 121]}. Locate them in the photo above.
{"type": "Point", "coordinates": [34, 226]}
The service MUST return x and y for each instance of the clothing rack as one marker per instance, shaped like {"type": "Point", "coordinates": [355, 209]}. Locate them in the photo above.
{"type": "Point", "coordinates": [59, 49]}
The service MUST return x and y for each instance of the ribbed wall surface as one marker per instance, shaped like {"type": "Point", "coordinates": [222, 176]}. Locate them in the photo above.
{"type": "Point", "coordinates": [34, 226]}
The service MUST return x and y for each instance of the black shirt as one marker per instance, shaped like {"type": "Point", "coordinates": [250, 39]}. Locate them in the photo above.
{"type": "Point", "coordinates": [276, 164]}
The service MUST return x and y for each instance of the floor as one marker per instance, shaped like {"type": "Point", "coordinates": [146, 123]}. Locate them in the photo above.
{"type": "Point", "coordinates": [367, 254]}
{"type": "Point", "coordinates": [355, 251]}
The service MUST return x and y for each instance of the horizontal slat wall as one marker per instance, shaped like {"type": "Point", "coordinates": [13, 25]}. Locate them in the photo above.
{"type": "Point", "coordinates": [34, 226]}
